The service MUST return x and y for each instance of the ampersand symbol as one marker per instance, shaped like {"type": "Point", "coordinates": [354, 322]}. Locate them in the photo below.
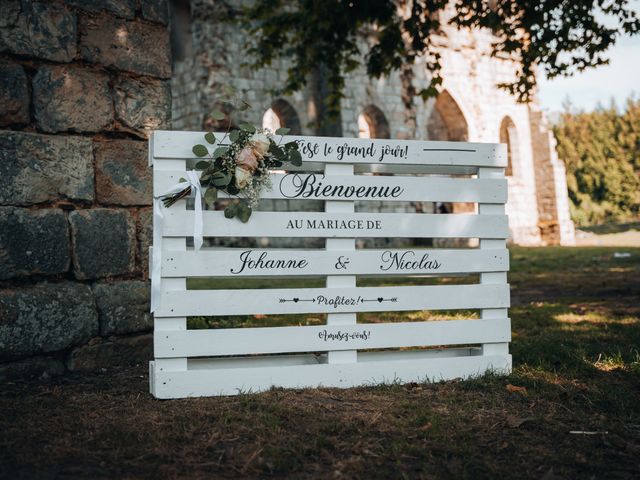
{"type": "Point", "coordinates": [342, 263]}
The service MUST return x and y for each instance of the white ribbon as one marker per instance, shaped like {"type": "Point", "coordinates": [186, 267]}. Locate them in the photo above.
{"type": "Point", "coordinates": [192, 181]}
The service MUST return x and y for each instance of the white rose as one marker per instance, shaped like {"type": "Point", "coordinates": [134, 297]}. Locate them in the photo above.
{"type": "Point", "coordinates": [243, 177]}
{"type": "Point", "coordinates": [260, 143]}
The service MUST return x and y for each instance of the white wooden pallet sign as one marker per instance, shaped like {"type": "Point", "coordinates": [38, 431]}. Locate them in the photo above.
{"type": "Point", "coordinates": [342, 353]}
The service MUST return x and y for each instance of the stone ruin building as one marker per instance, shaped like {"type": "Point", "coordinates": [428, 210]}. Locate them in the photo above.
{"type": "Point", "coordinates": [209, 53]}
{"type": "Point", "coordinates": [82, 83]}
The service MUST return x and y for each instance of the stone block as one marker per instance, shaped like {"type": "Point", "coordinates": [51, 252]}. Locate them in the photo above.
{"type": "Point", "coordinates": [143, 105]}
{"type": "Point", "coordinates": [35, 367]}
{"type": "Point", "coordinates": [123, 176]}
{"type": "Point", "coordinates": [14, 94]}
{"type": "Point", "coordinates": [155, 11]}
{"type": "Point", "coordinates": [45, 318]}
{"type": "Point", "coordinates": [123, 307]}
{"type": "Point", "coordinates": [111, 352]}
{"type": "Point", "coordinates": [126, 45]}
{"type": "Point", "coordinates": [145, 237]}
{"type": "Point", "coordinates": [42, 168]}
{"type": "Point", "coordinates": [121, 8]}
{"type": "Point", "coordinates": [72, 98]}
{"type": "Point", "coordinates": [103, 242]}
{"type": "Point", "coordinates": [38, 29]}
{"type": "Point", "coordinates": [33, 242]}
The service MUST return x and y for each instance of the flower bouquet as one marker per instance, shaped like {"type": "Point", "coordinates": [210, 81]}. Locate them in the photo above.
{"type": "Point", "coordinates": [239, 164]}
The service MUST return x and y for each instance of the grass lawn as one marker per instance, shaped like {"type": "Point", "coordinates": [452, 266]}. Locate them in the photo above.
{"type": "Point", "coordinates": [570, 409]}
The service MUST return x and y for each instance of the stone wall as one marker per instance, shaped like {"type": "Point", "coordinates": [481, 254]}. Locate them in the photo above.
{"type": "Point", "coordinates": [81, 85]}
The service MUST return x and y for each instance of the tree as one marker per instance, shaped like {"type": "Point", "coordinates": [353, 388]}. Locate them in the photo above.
{"type": "Point", "coordinates": [601, 150]}
{"type": "Point", "coordinates": [558, 36]}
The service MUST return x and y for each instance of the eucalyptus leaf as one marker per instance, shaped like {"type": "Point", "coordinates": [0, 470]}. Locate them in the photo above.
{"type": "Point", "coordinates": [293, 144]}
{"type": "Point", "coordinates": [210, 197]}
{"type": "Point", "coordinates": [277, 152]}
{"type": "Point", "coordinates": [221, 180]}
{"type": "Point", "coordinates": [220, 151]}
{"type": "Point", "coordinates": [234, 135]}
{"type": "Point", "coordinates": [210, 137]}
{"type": "Point", "coordinates": [231, 210]}
{"type": "Point", "coordinates": [182, 180]}
{"type": "Point", "coordinates": [200, 151]}
{"type": "Point", "coordinates": [217, 115]}
{"type": "Point", "coordinates": [296, 158]}
{"type": "Point", "coordinates": [244, 212]}
{"type": "Point", "coordinates": [282, 131]}
{"type": "Point", "coordinates": [245, 106]}
{"type": "Point", "coordinates": [202, 165]}
{"type": "Point", "coordinates": [247, 127]}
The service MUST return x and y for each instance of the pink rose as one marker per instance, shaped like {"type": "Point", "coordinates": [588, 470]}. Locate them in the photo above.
{"type": "Point", "coordinates": [247, 159]}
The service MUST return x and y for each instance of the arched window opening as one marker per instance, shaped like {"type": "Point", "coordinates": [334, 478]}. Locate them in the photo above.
{"type": "Point", "coordinates": [282, 115]}
{"type": "Point", "coordinates": [446, 121]}
{"type": "Point", "coordinates": [372, 123]}
{"type": "Point", "coordinates": [509, 136]}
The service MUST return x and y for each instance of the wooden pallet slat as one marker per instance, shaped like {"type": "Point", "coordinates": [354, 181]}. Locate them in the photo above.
{"type": "Point", "coordinates": [341, 225]}
{"type": "Point", "coordinates": [171, 145]}
{"type": "Point", "coordinates": [332, 300]}
{"type": "Point", "coordinates": [233, 262]}
{"type": "Point", "coordinates": [269, 340]}
{"type": "Point", "coordinates": [318, 186]}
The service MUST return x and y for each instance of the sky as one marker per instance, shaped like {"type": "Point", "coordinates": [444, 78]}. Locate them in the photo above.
{"type": "Point", "coordinates": [619, 79]}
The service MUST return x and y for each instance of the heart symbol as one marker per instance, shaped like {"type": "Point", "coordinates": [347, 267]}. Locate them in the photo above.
{"type": "Point", "coordinates": [296, 300]}
{"type": "Point", "coordinates": [380, 299]}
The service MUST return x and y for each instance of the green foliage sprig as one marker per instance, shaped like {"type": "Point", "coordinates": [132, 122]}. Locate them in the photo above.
{"type": "Point", "coordinates": [239, 164]}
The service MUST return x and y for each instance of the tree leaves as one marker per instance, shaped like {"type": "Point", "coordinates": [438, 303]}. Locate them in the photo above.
{"type": "Point", "coordinates": [282, 131]}
{"type": "Point", "coordinates": [599, 149]}
{"type": "Point", "coordinates": [202, 165]}
{"type": "Point", "coordinates": [321, 39]}
{"type": "Point", "coordinates": [200, 151]}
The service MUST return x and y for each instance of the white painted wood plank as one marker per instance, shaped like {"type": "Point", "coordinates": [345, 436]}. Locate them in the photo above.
{"type": "Point", "coordinates": [268, 340]}
{"type": "Point", "coordinates": [305, 186]}
{"type": "Point", "coordinates": [234, 262]}
{"type": "Point", "coordinates": [232, 381]}
{"type": "Point", "coordinates": [332, 300]}
{"type": "Point", "coordinates": [340, 225]}
{"type": "Point", "coordinates": [173, 144]}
